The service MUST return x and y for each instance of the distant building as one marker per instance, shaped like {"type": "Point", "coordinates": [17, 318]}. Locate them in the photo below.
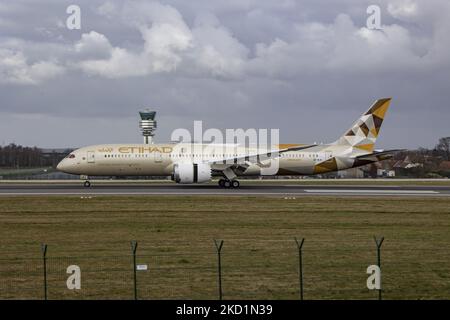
{"type": "Point", "coordinates": [383, 173]}
{"type": "Point", "coordinates": [406, 167]}
{"type": "Point", "coordinates": [352, 173]}
{"type": "Point", "coordinates": [444, 166]}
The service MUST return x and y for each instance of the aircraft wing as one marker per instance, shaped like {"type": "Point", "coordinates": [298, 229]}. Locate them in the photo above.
{"type": "Point", "coordinates": [258, 157]}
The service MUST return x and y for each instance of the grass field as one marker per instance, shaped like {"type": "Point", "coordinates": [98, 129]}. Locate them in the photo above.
{"type": "Point", "coordinates": [259, 255]}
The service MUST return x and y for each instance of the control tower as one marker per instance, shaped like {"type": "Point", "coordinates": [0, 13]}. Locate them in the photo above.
{"type": "Point", "coordinates": [147, 125]}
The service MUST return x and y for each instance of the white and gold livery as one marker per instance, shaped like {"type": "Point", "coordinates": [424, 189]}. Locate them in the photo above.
{"type": "Point", "coordinates": [190, 163]}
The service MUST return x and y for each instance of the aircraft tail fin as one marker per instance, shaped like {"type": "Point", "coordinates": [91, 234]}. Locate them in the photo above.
{"type": "Point", "coordinates": [364, 132]}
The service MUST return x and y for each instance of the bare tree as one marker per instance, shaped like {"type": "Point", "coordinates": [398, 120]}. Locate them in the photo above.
{"type": "Point", "coordinates": [444, 147]}
{"type": "Point", "coordinates": [16, 156]}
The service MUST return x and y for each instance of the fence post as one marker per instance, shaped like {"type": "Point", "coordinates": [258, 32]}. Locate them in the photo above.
{"type": "Point", "coordinates": [44, 258]}
{"type": "Point", "coordinates": [300, 265]}
{"type": "Point", "coordinates": [379, 242]}
{"type": "Point", "coordinates": [219, 245]}
{"type": "Point", "coordinates": [134, 245]}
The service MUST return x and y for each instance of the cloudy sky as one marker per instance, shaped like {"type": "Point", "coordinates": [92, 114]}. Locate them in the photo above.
{"type": "Point", "coordinates": [309, 68]}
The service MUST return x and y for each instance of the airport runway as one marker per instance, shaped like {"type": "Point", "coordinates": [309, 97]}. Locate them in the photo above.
{"type": "Point", "coordinates": [46, 189]}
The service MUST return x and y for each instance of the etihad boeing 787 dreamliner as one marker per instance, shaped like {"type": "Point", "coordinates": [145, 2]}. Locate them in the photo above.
{"type": "Point", "coordinates": [190, 163]}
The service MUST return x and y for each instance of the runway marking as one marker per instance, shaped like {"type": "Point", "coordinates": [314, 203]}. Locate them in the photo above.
{"type": "Point", "coordinates": [339, 185]}
{"type": "Point", "coordinates": [139, 193]}
{"type": "Point", "coordinates": [304, 192]}
{"type": "Point", "coordinates": [371, 191]}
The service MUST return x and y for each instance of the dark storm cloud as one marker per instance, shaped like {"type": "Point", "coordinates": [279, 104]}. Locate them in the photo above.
{"type": "Point", "coordinates": [309, 68]}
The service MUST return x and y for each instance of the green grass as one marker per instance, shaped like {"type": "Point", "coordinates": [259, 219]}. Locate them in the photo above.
{"type": "Point", "coordinates": [176, 233]}
{"type": "Point", "coordinates": [9, 173]}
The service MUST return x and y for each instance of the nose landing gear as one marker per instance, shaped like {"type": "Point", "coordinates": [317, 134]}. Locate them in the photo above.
{"type": "Point", "coordinates": [87, 183]}
{"type": "Point", "coordinates": [225, 183]}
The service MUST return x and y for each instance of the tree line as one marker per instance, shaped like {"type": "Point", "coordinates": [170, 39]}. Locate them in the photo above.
{"type": "Point", "coordinates": [17, 156]}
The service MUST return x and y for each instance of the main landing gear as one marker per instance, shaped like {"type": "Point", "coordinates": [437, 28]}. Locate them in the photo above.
{"type": "Point", "coordinates": [225, 183]}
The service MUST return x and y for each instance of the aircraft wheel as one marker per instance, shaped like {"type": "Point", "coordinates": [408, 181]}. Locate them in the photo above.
{"type": "Point", "coordinates": [87, 184]}
{"type": "Point", "coordinates": [235, 184]}
{"type": "Point", "coordinates": [221, 183]}
{"type": "Point", "coordinates": [227, 184]}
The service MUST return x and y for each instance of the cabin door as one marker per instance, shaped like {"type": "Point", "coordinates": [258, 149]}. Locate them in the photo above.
{"type": "Point", "coordinates": [158, 157]}
{"type": "Point", "coordinates": [91, 157]}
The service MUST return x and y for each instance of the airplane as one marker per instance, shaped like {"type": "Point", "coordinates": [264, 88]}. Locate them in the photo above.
{"type": "Point", "coordinates": [191, 163]}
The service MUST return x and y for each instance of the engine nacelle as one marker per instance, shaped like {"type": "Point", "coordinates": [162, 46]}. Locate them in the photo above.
{"type": "Point", "coordinates": [191, 172]}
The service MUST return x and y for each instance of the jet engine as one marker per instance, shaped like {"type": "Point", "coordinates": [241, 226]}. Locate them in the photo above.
{"type": "Point", "coordinates": [191, 172]}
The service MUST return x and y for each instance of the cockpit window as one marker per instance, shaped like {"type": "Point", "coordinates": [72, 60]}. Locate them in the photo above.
{"type": "Point", "coordinates": [71, 156]}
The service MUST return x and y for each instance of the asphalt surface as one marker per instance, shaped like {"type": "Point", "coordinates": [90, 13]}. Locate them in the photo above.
{"type": "Point", "coordinates": [44, 189]}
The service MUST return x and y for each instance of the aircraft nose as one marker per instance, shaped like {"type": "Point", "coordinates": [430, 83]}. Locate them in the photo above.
{"type": "Point", "coordinates": [61, 166]}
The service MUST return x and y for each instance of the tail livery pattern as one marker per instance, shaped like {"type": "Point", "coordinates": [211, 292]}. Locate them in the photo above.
{"type": "Point", "coordinates": [359, 141]}
{"type": "Point", "coordinates": [364, 132]}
